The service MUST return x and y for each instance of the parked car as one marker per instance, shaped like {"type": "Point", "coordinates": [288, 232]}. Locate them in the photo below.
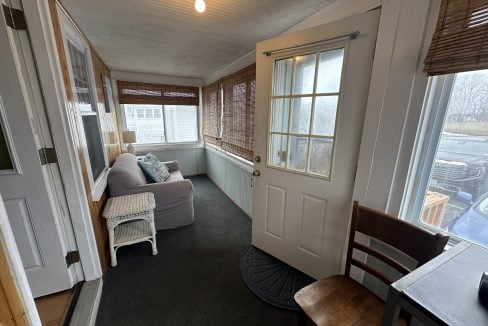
{"type": "Point", "coordinates": [473, 224]}
{"type": "Point", "coordinates": [461, 165]}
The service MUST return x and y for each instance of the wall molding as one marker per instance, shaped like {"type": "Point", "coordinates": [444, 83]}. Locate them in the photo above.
{"type": "Point", "coordinates": [240, 162]}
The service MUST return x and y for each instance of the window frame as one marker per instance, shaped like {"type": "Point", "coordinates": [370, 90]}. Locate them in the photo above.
{"type": "Point", "coordinates": [292, 54]}
{"type": "Point", "coordinates": [431, 123]}
{"type": "Point", "coordinates": [71, 34]}
{"type": "Point", "coordinates": [166, 144]}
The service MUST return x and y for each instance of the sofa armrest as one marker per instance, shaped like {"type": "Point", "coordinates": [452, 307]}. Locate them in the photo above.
{"type": "Point", "coordinates": [165, 192]}
{"type": "Point", "coordinates": [172, 166]}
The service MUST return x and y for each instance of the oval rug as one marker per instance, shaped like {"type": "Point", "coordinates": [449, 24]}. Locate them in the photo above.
{"type": "Point", "coordinates": [272, 280]}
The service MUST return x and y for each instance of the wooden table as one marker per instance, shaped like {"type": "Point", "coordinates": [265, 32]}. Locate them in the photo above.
{"type": "Point", "coordinates": [442, 291]}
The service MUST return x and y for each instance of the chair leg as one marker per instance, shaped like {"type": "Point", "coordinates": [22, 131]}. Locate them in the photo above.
{"type": "Point", "coordinates": [302, 318]}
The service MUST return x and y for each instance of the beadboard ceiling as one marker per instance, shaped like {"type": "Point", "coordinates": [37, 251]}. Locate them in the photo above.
{"type": "Point", "coordinates": [169, 37]}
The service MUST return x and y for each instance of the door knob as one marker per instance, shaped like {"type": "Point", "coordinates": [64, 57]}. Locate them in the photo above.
{"type": "Point", "coordinates": [257, 159]}
{"type": "Point", "coordinates": [256, 173]}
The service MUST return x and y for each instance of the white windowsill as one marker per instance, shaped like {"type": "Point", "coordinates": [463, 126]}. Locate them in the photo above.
{"type": "Point", "coordinates": [144, 148]}
{"type": "Point", "coordinates": [239, 161]}
{"type": "Point", "coordinates": [100, 185]}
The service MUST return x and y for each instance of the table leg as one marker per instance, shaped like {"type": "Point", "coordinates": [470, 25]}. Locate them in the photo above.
{"type": "Point", "coordinates": [154, 246]}
{"type": "Point", "coordinates": [392, 308]}
{"type": "Point", "coordinates": [113, 254]}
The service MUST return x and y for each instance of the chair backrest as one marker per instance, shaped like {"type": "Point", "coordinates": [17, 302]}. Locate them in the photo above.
{"type": "Point", "coordinates": [407, 238]}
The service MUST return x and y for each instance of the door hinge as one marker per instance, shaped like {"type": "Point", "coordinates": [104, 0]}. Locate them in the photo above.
{"type": "Point", "coordinates": [47, 156]}
{"type": "Point", "coordinates": [14, 18]}
{"type": "Point", "coordinates": [72, 257]}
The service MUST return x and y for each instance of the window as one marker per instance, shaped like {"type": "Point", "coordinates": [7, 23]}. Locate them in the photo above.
{"type": "Point", "coordinates": [303, 109]}
{"type": "Point", "coordinates": [86, 104]}
{"type": "Point", "coordinates": [159, 124]}
{"type": "Point", "coordinates": [453, 158]}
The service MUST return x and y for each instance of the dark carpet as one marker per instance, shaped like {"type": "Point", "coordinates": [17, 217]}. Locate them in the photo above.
{"type": "Point", "coordinates": [272, 280]}
{"type": "Point", "coordinates": [195, 279]}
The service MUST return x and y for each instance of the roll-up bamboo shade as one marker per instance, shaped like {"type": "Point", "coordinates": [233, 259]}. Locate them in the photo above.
{"type": "Point", "coordinates": [239, 105]}
{"type": "Point", "coordinates": [460, 41]}
{"type": "Point", "coordinates": [212, 107]}
{"type": "Point", "coordinates": [145, 93]}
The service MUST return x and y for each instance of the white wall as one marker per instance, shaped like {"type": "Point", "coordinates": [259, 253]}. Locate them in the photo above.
{"type": "Point", "coordinates": [232, 175]}
{"type": "Point", "coordinates": [191, 159]}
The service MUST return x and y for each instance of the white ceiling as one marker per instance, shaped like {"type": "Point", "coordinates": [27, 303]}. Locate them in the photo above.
{"type": "Point", "coordinates": [169, 37]}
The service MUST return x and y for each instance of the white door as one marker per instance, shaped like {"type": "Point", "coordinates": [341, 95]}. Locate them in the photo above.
{"type": "Point", "coordinates": [30, 203]}
{"type": "Point", "coordinates": [310, 103]}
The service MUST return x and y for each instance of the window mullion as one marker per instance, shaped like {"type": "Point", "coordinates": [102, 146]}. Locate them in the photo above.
{"type": "Point", "coordinates": [163, 110]}
{"type": "Point", "coordinates": [290, 107]}
{"type": "Point", "coordinates": [307, 165]}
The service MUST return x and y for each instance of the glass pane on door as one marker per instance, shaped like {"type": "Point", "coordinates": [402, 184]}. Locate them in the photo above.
{"type": "Point", "coordinates": [321, 156]}
{"type": "Point", "coordinates": [279, 114]}
{"type": "Point", "coordinates": [302, 124]}
{"type": "Point", "coordinates": [298, 153]}
{"type": "Point", "coordinates": [304, 74]}
{"type": "Point", "coordinates": [278, 148]}
{"type": "Point", "coordinates": [300, 116]}
{"type": "Point", "coordinates": [330, 71]}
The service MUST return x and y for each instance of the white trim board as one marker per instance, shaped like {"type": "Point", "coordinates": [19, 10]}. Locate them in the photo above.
{"type": "Point", "coordinates": [155, 79]}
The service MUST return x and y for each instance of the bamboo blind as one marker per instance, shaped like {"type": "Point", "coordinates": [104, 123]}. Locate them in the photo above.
{"type": "Point", "coordinates": [145, 93]}
{"type": "Point", "coordinates": [212, 109]}
{"type": "Point", "coordinates": [460, 41]}
{"type": "Point", "coordinates": [238, 118]}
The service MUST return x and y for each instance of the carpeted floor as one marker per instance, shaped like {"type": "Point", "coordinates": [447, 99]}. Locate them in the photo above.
{"type": "Point", "coordinates": [195, 279]}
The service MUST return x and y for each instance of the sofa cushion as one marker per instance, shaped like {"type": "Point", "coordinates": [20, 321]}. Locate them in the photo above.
{"type": "Point", "coordinates": [175, 176]}
{"type": "Point", "coordinates": [125, 173]}
{"type": "Point", "coordinates": [155, 170]}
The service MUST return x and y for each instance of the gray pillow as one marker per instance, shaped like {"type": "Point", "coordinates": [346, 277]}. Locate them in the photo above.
{"type": "Point", "coordinates": [153, 168]}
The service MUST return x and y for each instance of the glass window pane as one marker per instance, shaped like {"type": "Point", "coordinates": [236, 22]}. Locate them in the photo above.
{"type": "Point", "coordinates": [298, 153]}
{"type": "Point", "coordinates": [457, 194]}
{"type": "Point", "coordinates": [300, 115]}
{"type": "Point", "coordinates": [181, 123]}
{"type": "Point", "coordinates": [324, 117]}
{"type": "Point", "coordinates": [321, 156]}
{"type": "Point", "coordinates": [277, 150]}
{"type": "Point", "coordinates": [148, 131]}
{"type": "Point", "coordinates": [304, 74]}
{"type": "Point", "coordinates": [330, 71]}
{"type": "Point", "coordinates": [279, 114]}
{"type": "Point", "coordinates": [282, 77]}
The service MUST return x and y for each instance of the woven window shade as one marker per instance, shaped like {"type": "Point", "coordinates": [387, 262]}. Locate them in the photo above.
{"type": "Point", "coordinates": [460, 41]}
{"type": "Point", "coordinates": [145, 93]}
{"type": "Point", "coordinates": [212, 107]}
{"type": "Point", "coordinates": [239, 106]}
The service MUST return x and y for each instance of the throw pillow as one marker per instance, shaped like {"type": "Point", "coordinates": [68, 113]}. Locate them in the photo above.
{"type": "Point", "coordinates": [153, 168]}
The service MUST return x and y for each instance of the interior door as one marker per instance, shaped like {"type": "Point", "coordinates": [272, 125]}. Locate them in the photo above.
{"type": "Point", "coordinates": [29, 201]}
{"type": "Point", "coordinates": [310, 104]}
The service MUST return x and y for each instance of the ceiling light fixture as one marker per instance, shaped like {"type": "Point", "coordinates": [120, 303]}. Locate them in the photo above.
{"type": "Point", "coordinates": [200, 5]}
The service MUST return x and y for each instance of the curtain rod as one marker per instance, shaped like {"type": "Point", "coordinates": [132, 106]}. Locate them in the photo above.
{"type": "Point", "coordinates": [350, 36]}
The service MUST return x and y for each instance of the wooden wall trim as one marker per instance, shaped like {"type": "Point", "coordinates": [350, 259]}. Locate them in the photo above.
{"type": "Point", "coordinates": [108, 122]}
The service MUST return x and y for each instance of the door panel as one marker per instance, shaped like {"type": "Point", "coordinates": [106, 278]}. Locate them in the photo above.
{"type": "Point", "coordinates": [30, 203]}
{"type": "Point", "coordinates": [310, 106]}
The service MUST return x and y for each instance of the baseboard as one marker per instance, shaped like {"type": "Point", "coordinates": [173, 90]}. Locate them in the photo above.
{"type": "Point", "coordinates": [86, 309]}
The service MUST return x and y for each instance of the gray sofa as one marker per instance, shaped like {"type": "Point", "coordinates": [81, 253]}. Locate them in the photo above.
{"type": "Point", "coordinates": [174, 197]}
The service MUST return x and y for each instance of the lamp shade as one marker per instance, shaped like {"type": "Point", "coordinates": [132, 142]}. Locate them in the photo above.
{"type": "Point", "coordinates": [128, 136]}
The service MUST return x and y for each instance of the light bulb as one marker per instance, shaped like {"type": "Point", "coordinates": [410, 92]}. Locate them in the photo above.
{"type": "Point", "coordinates": [200, 5]}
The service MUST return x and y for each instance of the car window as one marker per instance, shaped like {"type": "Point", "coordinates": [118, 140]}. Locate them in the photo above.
{"type": "Point", "coordinates": [464, 145]}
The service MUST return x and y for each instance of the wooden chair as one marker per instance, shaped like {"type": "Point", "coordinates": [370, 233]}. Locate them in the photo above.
{"type": "Point", "coordinates": [339, 300]}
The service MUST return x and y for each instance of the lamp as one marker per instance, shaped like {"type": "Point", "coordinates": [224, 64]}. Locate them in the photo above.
{"type": "Point", "coordinates": [129, 137]}
{"type": "Point", "coordinates": [200, 5]}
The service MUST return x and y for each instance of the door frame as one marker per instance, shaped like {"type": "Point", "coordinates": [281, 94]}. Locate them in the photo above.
{"type": "Point", "coordinates": [50, 77]}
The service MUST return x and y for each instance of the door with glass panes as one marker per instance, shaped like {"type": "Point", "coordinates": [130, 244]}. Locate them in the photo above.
{"type": "Point", "coordinates": [310, 103]}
